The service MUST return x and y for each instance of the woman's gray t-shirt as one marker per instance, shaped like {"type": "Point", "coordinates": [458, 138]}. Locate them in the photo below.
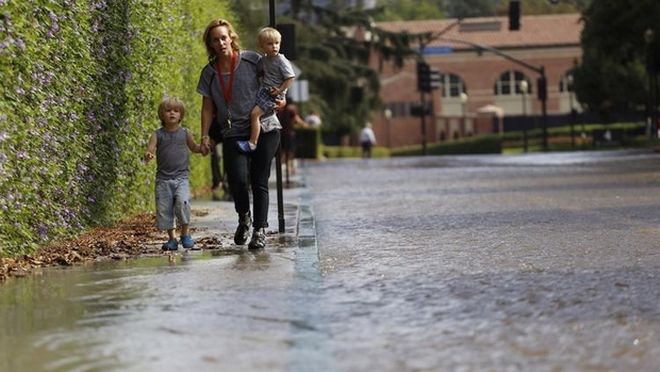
{"type": "Point", "coordinates": [172, 154]}
{"type": "Point", "coordinates": [244, 93]}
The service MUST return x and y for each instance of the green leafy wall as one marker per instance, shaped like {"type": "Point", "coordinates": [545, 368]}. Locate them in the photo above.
{"type": "Point", "coordinates": [81, 82]}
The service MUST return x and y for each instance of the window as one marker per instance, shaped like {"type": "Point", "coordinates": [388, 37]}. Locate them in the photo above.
{"type": "Point", "coordinates": [566, 82]}
{"type": "Point", "coordinates": [399, 109]}
{"type": "Point", "coordinates": [452, 85]}
{"type": "Point", "coordinates": [509, 84]}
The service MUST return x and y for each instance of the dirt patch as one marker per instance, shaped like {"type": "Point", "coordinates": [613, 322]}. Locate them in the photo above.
{"type": "Point", "coordinates": [136, 237]}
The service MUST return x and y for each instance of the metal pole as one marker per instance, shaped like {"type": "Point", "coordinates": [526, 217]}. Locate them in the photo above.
{"type": "Point", "coordinates": [544, 112]}
{"type": "Point", "coordinates": [654, 106]}
{"type": "Point", "coordinates": [278, 153]}
{"type": "Point", "coordinates": [524, 107]}
{"type": "Point", "coordinates": [570, 98]}
{"type": "Point", "coordinates": [423, 99]}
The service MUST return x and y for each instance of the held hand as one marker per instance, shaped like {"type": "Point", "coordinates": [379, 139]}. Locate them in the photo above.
{"type": "Point", "coordinates": [273, 91]}
{"type": "Point", "coordinates": [204, 146]}
{"type": "Point", "coordinates": [279, 104]}
{"type": "Point", "coordinates": [148, 156]}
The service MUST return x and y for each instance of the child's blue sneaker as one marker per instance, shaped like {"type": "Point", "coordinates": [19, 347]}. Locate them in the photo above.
{"type": "Point", "coordinates": [187, 242]}
{"type": "Point", "coordinates": [244, 146]}
{"type": "Point", "coordinates": [171, 245]}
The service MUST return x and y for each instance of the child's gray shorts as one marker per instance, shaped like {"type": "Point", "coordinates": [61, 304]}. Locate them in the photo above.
{"type": "Point", "coordinates": [172, 199]}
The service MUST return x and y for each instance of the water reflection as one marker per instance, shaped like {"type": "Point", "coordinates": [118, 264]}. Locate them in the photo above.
{"type": "Point", "coordinates": [252, 260]}
{"type": "Point", "coordinates": [197, 312]}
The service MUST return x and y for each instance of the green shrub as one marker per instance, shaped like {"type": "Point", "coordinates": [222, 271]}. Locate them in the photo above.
{"type": "Point", "coordinates": [81, 84]}
{"type": "Point", "coordinates": [489, 144]}
{"type": "Point", "coordinates": [331, 152]}
{"type": "Point", "coordinates": [559, 138]}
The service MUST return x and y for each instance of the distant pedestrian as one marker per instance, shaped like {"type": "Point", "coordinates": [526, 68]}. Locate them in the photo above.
{"type": "Point", "coordinates": [367, 140]}
{"type": "Point", "coordinates": [277, 77]}
{"type": "Point", "coordinates": [313, 120]}
{"type": "Point", "coordinates": [290, 120]}
{"type": "Point", "coordinates": [169, 145]}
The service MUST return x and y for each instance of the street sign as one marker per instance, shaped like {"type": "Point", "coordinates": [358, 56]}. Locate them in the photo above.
{"type": "Point", "coordinates": [299, 91]}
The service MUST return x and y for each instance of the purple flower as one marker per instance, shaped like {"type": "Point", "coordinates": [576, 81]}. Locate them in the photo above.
{"type": "Point", "coordinates": [43, 231]}
{"type": "Point", "coordinates": [20, 44]}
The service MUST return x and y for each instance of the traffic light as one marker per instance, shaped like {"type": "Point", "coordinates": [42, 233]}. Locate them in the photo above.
{"type": "Point", "coordinates": [427, 78]}
{"type": "Point", "coordinates": [514, 15]}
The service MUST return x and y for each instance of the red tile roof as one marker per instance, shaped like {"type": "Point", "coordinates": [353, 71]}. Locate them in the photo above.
{"type": "Point", "coordinates": [535, 31]}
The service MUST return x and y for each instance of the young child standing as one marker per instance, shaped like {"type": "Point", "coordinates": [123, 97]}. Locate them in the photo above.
{"type": "Point", "coordinates": [170, 145]}
{"type": "Point", "coordinates": [278, 77]}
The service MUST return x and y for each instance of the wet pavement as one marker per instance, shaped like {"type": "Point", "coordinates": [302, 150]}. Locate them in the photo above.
{"type": "Point", "coordinates": [536, 262]}
{"type": "Point", "coordinates": [221, 308]}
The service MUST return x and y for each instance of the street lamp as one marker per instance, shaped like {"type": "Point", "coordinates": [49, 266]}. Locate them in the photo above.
{"type": "Point", "coordinates": [569, 88]}
{"type": "Point", "coordinates": [649, 37]}
{"type": "Point", "coordinates": [524, 88]}
{"type": "Point", "coordinates": [464, 99]}
{"type": "Point", "coordinates": [388, 116]}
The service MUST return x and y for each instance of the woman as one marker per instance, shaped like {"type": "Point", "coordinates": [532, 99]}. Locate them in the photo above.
{"type": "Point", "coordinates": [231, 99]}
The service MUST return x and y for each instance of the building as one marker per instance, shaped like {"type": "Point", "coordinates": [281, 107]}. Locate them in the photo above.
{"type": "Point", "coordinates": [479, 88]}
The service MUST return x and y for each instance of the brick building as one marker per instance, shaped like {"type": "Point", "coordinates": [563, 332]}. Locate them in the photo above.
{"type": "Point", "coordinates": [478, 86]}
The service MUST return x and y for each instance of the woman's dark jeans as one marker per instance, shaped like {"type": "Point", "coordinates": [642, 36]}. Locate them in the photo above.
{"type": "Point", "coordinates": [257, 164]}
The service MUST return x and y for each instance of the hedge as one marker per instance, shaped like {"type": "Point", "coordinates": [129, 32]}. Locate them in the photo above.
{"type": "Point", "coordinates": [488, 144]}
{"type": "Point", "coordinates": [81, 84]}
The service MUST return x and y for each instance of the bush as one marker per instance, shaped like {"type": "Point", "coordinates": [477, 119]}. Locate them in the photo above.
{"type": "Point", "coordinates": [81, 85]}
{"type": "Point", "coordinates": [559, 138]}
{"type": "Point", "coordinates": [353, 152]}
{"type": "Point", "coordinates": [489, 144]}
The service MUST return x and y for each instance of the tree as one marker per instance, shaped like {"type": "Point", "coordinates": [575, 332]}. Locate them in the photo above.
{"type": "Point", "coordinates": [530, 7]}
{"type": "Point", "coordinates": [469, 8]}
{"type": "Point", "coordinates": [612, 74]}
{"type": "Point", "coordinates": [396, 10]}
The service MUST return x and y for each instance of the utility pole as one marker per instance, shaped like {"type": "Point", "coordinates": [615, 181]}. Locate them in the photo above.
{"type": "Point", "coordinates": [278, 154]}
{"type": "Point", "coordinates": [428, 79]}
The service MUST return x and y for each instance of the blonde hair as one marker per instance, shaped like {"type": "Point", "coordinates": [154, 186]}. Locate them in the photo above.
{"type": "Point", "coordinates": [267, 34]}
{"type": "Point", "coordinates": [235, 45]}
{"type": "Point", "coordinates": [170, 103]}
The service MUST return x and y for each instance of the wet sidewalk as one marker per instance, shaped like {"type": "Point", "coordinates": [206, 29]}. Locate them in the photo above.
{"type": "Point", "coordinates": [223, 307]}
{"type": "Point", "coordinates": [213, 222]}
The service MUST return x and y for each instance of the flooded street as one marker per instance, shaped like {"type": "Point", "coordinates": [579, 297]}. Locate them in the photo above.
{"type": "Point", "coordinates": [536, 262]}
